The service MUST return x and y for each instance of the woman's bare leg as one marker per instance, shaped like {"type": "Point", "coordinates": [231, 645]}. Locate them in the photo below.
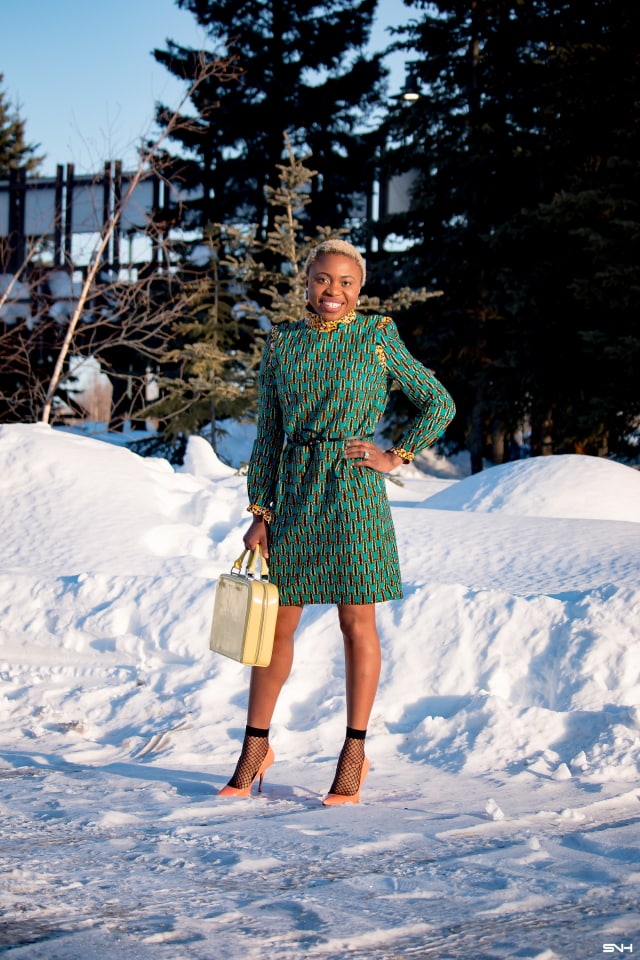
{"type": "Point", "coordinates": [264, 690]}
{"type": "Point", "coordinates": [267, 682]}
{"type": "Point", "coordinates": [362, 674]}
{"type": "Point", "coordinates": [362, 660]}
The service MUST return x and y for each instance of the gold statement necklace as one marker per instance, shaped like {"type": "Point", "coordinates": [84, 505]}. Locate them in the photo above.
{"type": "Point", "coordinates": [315, 322]}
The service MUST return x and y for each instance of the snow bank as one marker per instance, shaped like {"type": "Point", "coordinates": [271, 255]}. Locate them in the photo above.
{"type": "Point", "coordinates": [563, 486]}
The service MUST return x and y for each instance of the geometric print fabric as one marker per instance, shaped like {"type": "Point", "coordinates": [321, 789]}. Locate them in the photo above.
{"type": "Point", "coordinates": [332, 539]}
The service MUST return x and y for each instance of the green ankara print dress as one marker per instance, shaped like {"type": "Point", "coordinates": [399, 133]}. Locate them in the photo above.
{"type": "Point", "coordinates": [331, 538]}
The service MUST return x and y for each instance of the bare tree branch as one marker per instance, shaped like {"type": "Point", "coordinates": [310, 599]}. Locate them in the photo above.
{"type": "Point", "coordinates": [206, 69]}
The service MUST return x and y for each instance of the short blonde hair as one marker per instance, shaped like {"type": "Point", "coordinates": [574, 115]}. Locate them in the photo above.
{"type": "Point", "coordinates": [336, 246]}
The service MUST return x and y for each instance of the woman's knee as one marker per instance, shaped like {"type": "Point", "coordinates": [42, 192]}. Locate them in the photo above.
{"type": "Point", "coordinates": [286, 625]}
{"type": "Point", "coordinates": [358, 624]}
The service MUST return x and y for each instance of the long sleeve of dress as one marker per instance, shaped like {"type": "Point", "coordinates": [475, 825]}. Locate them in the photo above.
{"type": "Point", "coordinates": [435, 405]}
{"type": "Point", "coordinates": [267, 449]}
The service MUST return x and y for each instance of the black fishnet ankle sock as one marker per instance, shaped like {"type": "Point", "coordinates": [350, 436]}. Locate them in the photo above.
{"type": "Point", "coordinates": [254, 750]}
{"type": "Point", "coordinates": [347, 779]}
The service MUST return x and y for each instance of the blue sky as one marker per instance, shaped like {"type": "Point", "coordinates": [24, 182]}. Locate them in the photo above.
{"type": "Point", "coordinates": [84, 79]}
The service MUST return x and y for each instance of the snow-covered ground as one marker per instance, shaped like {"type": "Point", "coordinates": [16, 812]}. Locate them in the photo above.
{"type": "Point", "coordinates": [501, 816]}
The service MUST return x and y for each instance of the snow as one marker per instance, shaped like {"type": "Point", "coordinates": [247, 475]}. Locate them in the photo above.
{"type": "Point", "coordinates": [563, 486]}
{"type": "Point", "coordinates": [500, 818]}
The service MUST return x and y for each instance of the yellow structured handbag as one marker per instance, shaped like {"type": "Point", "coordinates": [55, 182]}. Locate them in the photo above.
{"type": "Point", "coordinates": [245, 612]}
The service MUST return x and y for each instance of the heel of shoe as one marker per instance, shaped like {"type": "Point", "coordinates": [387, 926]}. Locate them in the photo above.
{"type": "Point", "coordinates": [264, 766]}
{"type": "Point", "coordinates": [229, 791]}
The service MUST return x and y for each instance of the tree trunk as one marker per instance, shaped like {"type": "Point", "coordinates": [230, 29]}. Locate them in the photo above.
{"type": "Point", "coordinates": [542, 437]}
{"type": "Point", "coordinates": [212, 415]}
{"type": "Point", "coordinates": [476, 433]}
{"type": "Point", "coordinates": [498, 443]}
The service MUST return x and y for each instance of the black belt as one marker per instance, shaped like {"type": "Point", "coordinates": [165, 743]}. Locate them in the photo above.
{"type": "Point", "coordinates": [299, 440]}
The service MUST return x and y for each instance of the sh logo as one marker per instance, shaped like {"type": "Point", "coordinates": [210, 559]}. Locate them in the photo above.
{"type": "Point", "coordinates": [617, 948]}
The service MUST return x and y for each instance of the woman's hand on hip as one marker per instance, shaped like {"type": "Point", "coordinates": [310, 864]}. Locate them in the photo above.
{"type": "Point", "coordinates": [367, 454]}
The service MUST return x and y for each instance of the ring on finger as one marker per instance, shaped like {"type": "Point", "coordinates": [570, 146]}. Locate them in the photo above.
{"type": "Point", "coordinates": [365, 455]}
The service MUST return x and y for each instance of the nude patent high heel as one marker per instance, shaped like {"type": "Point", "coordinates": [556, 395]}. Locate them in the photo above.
{"type": "Point", "coordinates": [336, 799]}
{"type": "Point", "coordinates": [245, 791]}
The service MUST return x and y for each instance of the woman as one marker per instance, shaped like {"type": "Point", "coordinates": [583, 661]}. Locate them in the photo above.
{"type": "Point", "coordinates": [316, 483]}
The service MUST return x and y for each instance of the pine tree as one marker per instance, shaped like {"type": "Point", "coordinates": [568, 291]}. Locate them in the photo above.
{"type": "Point", "coordinates": [460, 140]}
{"type": "Point", "coordinates": [525, 212]}
{"type": "Point", "coordinates": [303, 73]}
{"type": "Point", "coordinates": [228, 306]}
{"type": "Point", "coordinates": [15, 152]}
{"type": "Point", "coordinates": [573, 287]}
{"type": "Point", "coordinates": [209, 374]}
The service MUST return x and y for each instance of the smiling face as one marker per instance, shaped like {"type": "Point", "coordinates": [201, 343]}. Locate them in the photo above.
{"type": "Point", "coordinates": [333, 284]}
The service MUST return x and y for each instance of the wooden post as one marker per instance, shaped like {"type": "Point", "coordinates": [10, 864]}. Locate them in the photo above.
{"type": "Point", "coordinates": [106, 210]}
{"type": "Point", "coordinates": [117, 200]}
{"type": "Point", "coordinates": [155, 245]}
{"type": "Point", "coordinates": [68, 218]}
{"type": "Point", "coordinates": [17, 249]}
{"type": "Point", "coordinates": [58, 218]}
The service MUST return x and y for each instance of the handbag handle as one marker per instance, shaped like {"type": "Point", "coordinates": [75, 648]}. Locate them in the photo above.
{"type": "Point", "coordinates": [251, 563]}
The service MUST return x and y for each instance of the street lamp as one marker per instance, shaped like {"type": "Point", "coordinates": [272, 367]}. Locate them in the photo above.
{"type": "Point", "coordinates": [411, 90]}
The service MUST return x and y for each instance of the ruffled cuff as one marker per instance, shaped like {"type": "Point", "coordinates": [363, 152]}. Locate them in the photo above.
{"type": "Point", "coordinates": [405, 455]}
{"type": "Point", "coordinates": [265, 512]}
